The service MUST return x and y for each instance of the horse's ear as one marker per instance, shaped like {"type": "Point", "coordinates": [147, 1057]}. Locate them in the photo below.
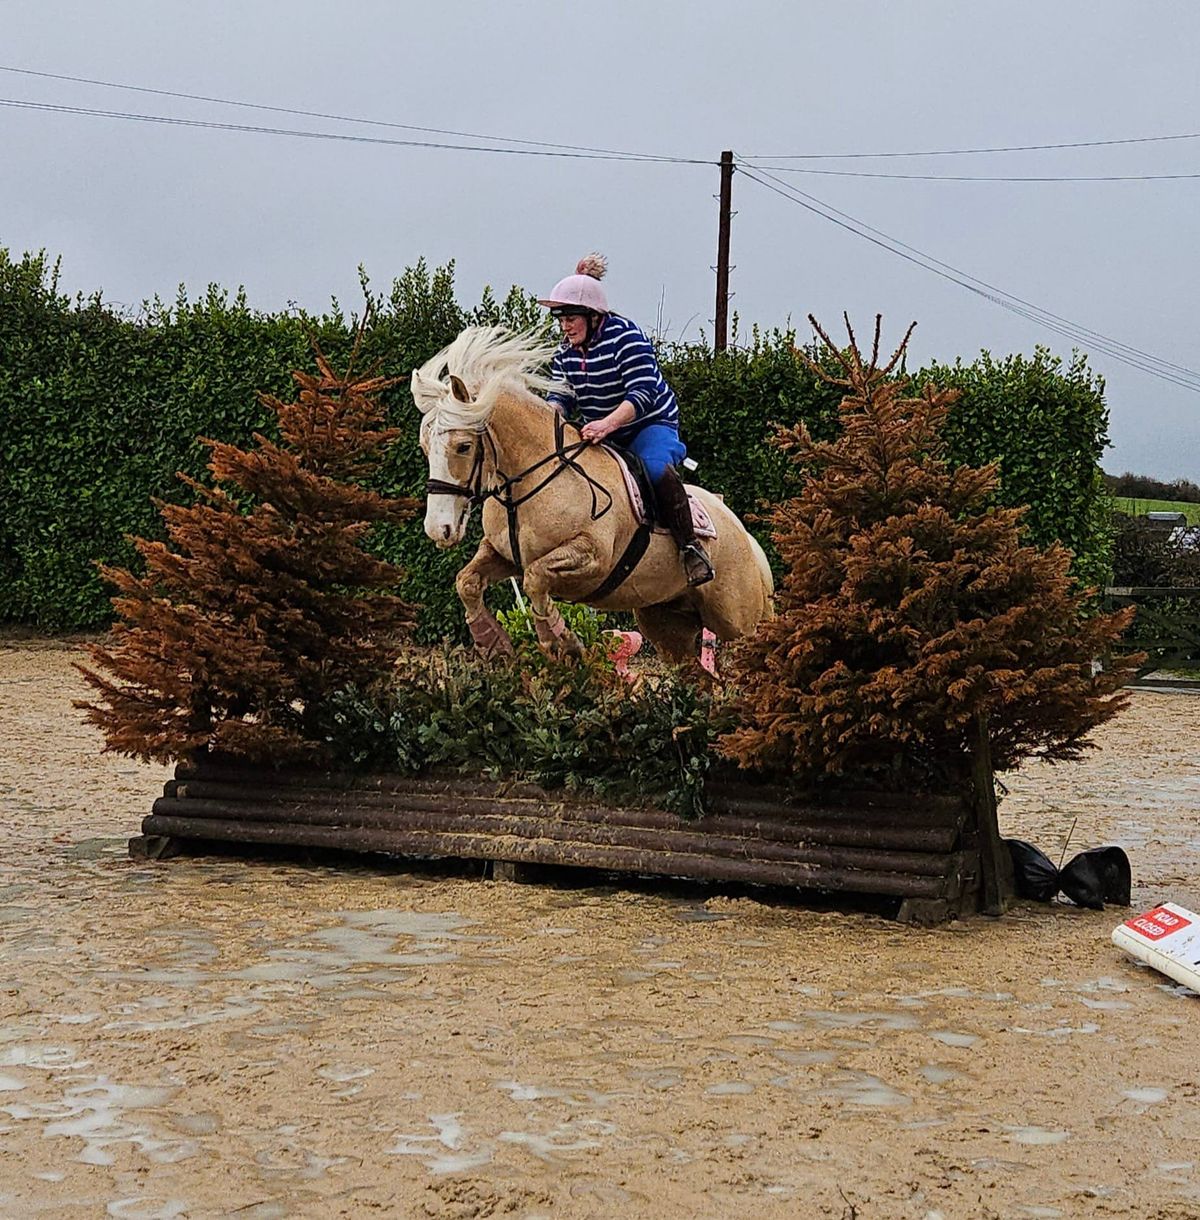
{"type": "Point", "coordinates": [425, 390]}
{"type": "Point", "coordinates": [458, 388]}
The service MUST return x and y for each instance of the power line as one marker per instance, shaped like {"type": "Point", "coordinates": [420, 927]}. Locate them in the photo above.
{"type": "Point", "coordinates": [346, 136]}
{"type": "Point", "coordinates": [317, 114]}
{"type": "Point", "coordinates": [851, 173]}
{"type": "Point", "coordinates": [1093, 339]}
{"type": "Point", "coordinates": [1118, 350]}
{"type": "Point", "coordinates": [469, 135]}
{"type": "Point", "coordinates": [963, 152]}
{"type": "Point", "coordinates": [1123, 352]}
{"type": "Point", "coordinates": [1084, 331]}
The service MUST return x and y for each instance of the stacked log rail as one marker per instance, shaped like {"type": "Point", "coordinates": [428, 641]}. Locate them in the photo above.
{"type": "Point", "coordinates": [873, 845]}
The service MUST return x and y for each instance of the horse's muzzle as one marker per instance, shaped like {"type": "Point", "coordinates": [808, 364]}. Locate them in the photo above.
{"type": "Point", "coordinates": [445, 532]}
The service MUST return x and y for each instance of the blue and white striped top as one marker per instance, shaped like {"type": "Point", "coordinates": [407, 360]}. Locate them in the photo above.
{"type": "Point", "coordinates": [618, 364]}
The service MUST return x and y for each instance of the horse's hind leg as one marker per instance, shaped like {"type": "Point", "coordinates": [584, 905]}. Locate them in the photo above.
{"type": "Point", "coordinates": [485, 568]}
{"type": "Point", "coordinates": [674, 630]}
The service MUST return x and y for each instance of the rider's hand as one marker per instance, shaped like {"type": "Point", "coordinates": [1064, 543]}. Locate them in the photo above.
{"type": "Point", "coordinates": [597, 430]}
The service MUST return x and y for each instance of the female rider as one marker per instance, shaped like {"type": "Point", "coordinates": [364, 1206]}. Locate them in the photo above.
{"type": "Point", "coordinates": [621, 396]}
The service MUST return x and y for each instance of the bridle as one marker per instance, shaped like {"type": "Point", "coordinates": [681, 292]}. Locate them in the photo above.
{"type": "Point", "coordinates": [503, 490]}
{"type": "Point", "coordinates": [470, 489]}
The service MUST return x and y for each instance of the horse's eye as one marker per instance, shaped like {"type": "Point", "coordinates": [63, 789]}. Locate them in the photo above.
{"type": "Point", "coordinates": [463, 448]}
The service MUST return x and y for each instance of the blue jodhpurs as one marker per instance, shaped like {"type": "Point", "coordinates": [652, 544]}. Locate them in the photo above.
{"type": "Point", "coordinates": [658, 445]}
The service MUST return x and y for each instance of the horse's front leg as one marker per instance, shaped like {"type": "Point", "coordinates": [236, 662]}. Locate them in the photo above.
{"type": "Point", "coordinates": [486, 567]}
{"type": "Point", "coordinates": [576, 560]}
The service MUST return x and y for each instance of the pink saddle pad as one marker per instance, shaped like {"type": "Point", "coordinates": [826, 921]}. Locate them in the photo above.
{"type": "Point", "coordinates": [700, 518]}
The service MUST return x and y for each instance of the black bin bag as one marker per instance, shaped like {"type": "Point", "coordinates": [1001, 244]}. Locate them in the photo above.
{"type": "Point", "coordinates": [1034, 873]}
{"type": "Point", "coordinates": [1098, 876]}
{"type": "Point", "coordinates": [1081, 882]}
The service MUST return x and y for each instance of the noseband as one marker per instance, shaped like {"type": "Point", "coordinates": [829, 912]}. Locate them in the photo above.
{"type": "Point", "coordinates": [472, 489]}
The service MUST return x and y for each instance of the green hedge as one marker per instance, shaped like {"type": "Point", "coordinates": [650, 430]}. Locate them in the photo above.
{"type": "Point", "coordinates": [730, 398]}
{"type": "Point", "coordinates": [98, 410]}
{"type": "Point", "coordinates": [1048, 428]}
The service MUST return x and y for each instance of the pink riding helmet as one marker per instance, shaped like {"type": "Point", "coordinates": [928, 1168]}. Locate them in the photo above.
{"type": "Point", "coordinates": [582, 289]}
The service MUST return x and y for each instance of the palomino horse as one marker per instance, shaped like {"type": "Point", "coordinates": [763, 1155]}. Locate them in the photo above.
{"type": "Point", "coordinates": [556, 512]}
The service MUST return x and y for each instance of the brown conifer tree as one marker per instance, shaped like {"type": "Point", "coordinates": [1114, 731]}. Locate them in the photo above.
{"type": "Point", "coordinates": [248, 619]}
{"type": "Point", "coordinates": [910, 614]}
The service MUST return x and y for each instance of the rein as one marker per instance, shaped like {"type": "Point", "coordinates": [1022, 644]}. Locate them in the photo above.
{"type": "Point", "coordinates": [504, 492]}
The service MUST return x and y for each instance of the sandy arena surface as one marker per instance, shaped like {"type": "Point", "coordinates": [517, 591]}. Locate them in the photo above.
{"type": "Point", "coordinates": [218, 1037]}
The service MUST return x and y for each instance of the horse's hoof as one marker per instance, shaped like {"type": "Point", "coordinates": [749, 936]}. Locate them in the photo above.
{"type": "Point", "coordinates": [562, 648]}
{"type": "Point", "coordinates": [555, 638]}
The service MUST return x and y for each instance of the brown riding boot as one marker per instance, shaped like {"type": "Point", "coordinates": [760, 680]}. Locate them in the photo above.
{"type": "Point", "coordinates": [676, 514]}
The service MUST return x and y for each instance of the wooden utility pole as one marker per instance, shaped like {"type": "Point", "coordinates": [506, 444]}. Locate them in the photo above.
{"type": "Point", "coordinates": [721, 317]}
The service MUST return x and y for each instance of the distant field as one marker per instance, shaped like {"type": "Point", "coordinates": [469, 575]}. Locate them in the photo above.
{"type": "Point", "coordinates": [1138, 508]}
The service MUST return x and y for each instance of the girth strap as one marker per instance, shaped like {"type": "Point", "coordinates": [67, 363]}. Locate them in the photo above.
{"type": "Point", "coordinates": [630, 558]}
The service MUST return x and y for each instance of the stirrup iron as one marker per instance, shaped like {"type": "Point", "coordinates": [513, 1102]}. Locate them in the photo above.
{"type": "Point", "coordinates": [696, 565]}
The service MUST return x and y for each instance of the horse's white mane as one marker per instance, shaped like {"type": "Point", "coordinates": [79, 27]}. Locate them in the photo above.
{"type": "Point", "coordinates": [488, 360]}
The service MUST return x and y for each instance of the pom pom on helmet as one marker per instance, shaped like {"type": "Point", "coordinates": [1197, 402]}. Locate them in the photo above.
{"type": "Point", "coordinates": [594, 264]}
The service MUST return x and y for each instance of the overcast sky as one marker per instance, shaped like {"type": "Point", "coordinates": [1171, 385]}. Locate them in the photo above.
{"type": "Point", "coordinates": [137, 208]}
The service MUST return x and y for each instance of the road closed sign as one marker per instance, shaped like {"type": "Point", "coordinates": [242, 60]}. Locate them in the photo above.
{"type": "Point", "coordinates": [1167, 938]}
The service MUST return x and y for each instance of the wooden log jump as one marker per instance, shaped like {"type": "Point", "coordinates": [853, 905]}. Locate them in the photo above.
{"type": "Point", "coordinates": [920, 852]}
